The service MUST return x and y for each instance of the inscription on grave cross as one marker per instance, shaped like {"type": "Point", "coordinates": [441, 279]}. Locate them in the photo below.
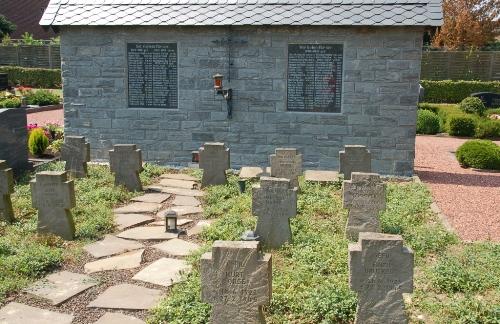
{"type": "Point", "coordinates": [53, 195]}
{"type": "Point", "coordinates": [214, 160]}
{"type": "Point", "coordinates": [355, 158]}
{"type": "Point", "coordinates": [76, 152]}
{"type": "Point", "coordinates": [381, 270]}
{"type": "Point", "coordinates": [6, 189]}
{"type": "Point", "coordinates": [236, 279]}
{"type": "Point", "coordinates": [286, 163]}
{"type": "Point", "coordinates": [274, 203]}
{"type": "Point", "coordinates": [125, 161]}
{"type": "Point", "coordinates": [364, 196]}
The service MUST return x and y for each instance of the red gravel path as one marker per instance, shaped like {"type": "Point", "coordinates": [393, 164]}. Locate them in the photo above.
{"type": "Point", "coordinates": [469, 199]}
{"type": "Point", "coordinates": [47, 117]}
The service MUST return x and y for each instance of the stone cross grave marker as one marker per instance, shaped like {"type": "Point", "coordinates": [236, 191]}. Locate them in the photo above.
{"type": "Point", "coordinates": [125, 160]}
{"type": "Point", "coordinates": [364, 196]}
{"type": "Point", "coordinates": [76, 152]}
{"type": "Point", "coordinates": [214, 160]}
{"type": "Point", "coordinates": [355, 158]}
{"type": "Point", "coordinates": [236, 279]}
{"type": "Point", "coordinates": [53, 195]}
{"type": "Point", "coordinates": [6, 189]}
{"type": "Point", "coordinates": [274, 203]}
{"type": "Point", "coordinates": [380, 271]}
{"type": "Point", "coordinates": [286, 163]}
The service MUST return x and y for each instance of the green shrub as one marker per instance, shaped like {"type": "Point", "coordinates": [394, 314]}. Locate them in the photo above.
{"type": "Point", "coordinates": [33, 77]}
{"type": "Point", "coordinates": [42, 98]}
{"type": "Point", "coordinates": [12, 102]}
{"type": "Point", "coordinates": [488, 129]}
{"type": "Point", "coordinates": [427, 122]}
{"type": "Point", "coordinates": [37, 142]}
{"type": "Point", "coordinates": [448, 91]}
{"type": "Point", "coordinates": [473, 105]}
{"type": "Point", "coordinates": [461, 126]}
{"type": "Point", "coordinates": [481, 154]}
{"type": "Point", "coordinates": [426, 106]}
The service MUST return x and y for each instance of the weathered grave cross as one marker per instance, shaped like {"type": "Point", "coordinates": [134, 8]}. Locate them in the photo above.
{"type": "Point", "coordinates": [214, 160]}
{"type": "Point", "coordinates": [381, 270]}
{"type": "Point", "coordinates": [125, 161]}
{"type": "Point", "coordinates": [354, 158]}
{"type": "Point", "coordinates": [76, 152]}
{"type": "Point", "coordinates": [53, 195]}
{"type": "Point", "coordinates": [286, 163]}
{"type": "Point", "coordinates": [6, 189]}
{"type": "Point", "coordinates": [364, 196]}
{"type": "Point", "coordinates": [236, 279]}
{"type": "Point", "coordinates": [274, 203]}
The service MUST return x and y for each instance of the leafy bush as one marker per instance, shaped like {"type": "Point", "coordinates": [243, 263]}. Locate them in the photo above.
{"type": "Point", "coordinates": [42, 98]}
{"type": "Point", "coordinates": [481, 154]}
{"type": "Point", "coordinates": [448, 91]}
{"type": "Point", "coordinates": [12, 102]}
{"type": "Point", "coordinates": [426, 106]}
{"type": "Point", "coordinates": [461, 126]}
{"type": "Point", "coordinates": [34, 77]}
{"type": "Point", "coordinates": [473, 105]}
{"type": "Point", "coordinates": [55, 146]}
{"type": "Point", "coordinates": [488, 129]}
{"type": "Point", "coordinates": [37, 142]}
{"type": "Point", "coordinates": [427, 122]}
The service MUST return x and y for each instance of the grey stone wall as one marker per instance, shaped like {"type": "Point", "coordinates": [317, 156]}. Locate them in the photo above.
{"type": "Point", "coordinates": [380, 92]}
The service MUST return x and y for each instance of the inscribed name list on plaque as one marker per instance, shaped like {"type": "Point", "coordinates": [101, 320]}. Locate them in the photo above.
{"type": "Point", "coordinates": [152, 75]}
{"type": "Point", "coordinates": [286, 163]}
{"type": "Point", "coordinates": [6, 189]}
{"type": "Point", "coordinates": [355, 158]}
{"type": "Point", "coordinates": [214, 160]}
{"type": "Point", "coordinates": [53, 195]}
{"type": "Point", "coordinates": [125, 161]}
{"type": "Point", "coordinates": [380, 271]}
{"type": "Point", "coordinates": [274, 203]}
{"type": "Point", "coordinates": [315, 77]}
{"type": "Point", "coordinates": [76, 152]}
{"type": "Point", "coordinates": [364, 196]}
{"type": "Point", "coordinates": [236, 279]}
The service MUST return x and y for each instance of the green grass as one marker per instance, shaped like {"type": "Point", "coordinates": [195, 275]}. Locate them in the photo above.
{"type": "Point", "coordinates": [310, 275]}
{"type": "Point", "coordinates": [26, 256]}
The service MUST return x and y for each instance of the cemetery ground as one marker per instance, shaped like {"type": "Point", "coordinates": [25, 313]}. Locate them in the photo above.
{"type": "Point", "coordinates": [454, 281]}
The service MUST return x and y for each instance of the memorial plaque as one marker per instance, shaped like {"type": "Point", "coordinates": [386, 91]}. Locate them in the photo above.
{"type": "Point", "coordinates": [152, 75]}
{"type": "Point", "coordinates": [315, 77]}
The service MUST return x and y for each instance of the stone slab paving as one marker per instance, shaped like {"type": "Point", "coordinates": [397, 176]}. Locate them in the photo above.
{"type": "Point", "coordinates": [127, 296]}
{"type": "Point", "coordinates": [177, 247]}
{"type": "Point", "coordinates": [152, 198]}
{"type": "Point", "coordinates": [111, 245]}
{"type": "Point", "coordinates": [118, 318]}
{"type": "Point", "coordinates": [181, 211]}
{"type": "Point", "coordinates": [186, 201]}
{"type": "Point", "coordinates": [199, 227]}
{"type": "Point", "coordinates": [180, 222]}
{"type": "Point", "coordinates": [178, 176]}
{"type": "Point", "coordinates": [128, 260]}
{"type": "Point", "coordinates": [124, 221]}
{"type": "Point", "coordinates": [321, 176]}
{"type": "Point", "coordinates": [147, 233]}
{"type": "Point", "coordinates": [163, 272]}
{"type": "Point", "coordinates": [182, 192]}
{"type": "Point", "coordinates": [186, 184]}
{"type": "Point", "coordinates": [61, 286]}
{"type": "Point", "coordinates": [138, 207]}
{"type": "Point", "coordinates": [252, 173]}
{"type": "Point", "coordinates": [15, 313]}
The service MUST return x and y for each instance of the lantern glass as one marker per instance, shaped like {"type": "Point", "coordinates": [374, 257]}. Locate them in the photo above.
{"type": "Point", "coordinates": [218, 81]}
{"type": "Point", "coordinates": [171, 222]}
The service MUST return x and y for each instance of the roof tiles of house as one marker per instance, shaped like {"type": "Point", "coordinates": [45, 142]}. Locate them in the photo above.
{"type": "Point", "coordinates": [243, 12]}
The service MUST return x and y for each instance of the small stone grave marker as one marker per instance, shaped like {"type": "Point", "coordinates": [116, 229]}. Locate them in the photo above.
{"type": "Point", "coordinates": [6, 189]}
{"type": "Point", "coordinates": [274, 203]}
{"type": "Point", "coordinates": [364, 196]}
{"type": "Point", "coordinates": [214, 160]}
{"type": "Point", "coordinates": [76, 152]}
{"type": "Point", "coordinates": [286, 163]}
{"type": "Point", "coordinates": [126, 162]}
{"type": "Point", "coordinates": [236, 279]}
{"type": "Point", "coordinates": [381, 270]}
{"type": "Point", "coordinates": [355, 158]}
{"type": "Point", "coordinates": [53, 195]}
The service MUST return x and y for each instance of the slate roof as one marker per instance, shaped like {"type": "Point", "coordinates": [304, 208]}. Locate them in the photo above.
{"type": "Point", "coordinates": [243, 12]}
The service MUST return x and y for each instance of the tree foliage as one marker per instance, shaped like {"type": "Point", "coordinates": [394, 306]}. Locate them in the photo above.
{"type": "Point", "coordinates": [468, 24]}
{"type": "Point", "coordinates": [6, 27]}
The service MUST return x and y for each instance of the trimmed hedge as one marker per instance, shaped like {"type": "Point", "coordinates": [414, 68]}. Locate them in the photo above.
{"type": "Point", "coordinates": [473, 105]}
{"type": "Point", "coordinates": [481, 154]}
{"type": "Point", "coordinates": [33, 77]}
{"type": "Point", "coordinates": [427, 122]}
{"type": "Point", "coordinates": [461, 126]}
{"type": "Point", "coordinates": [448, 91]}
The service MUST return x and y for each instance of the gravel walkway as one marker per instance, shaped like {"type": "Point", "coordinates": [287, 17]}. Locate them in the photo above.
{"type": "Point", "coordinates": [47, 117]}
{"type": "Point", "coordinates": [469, 199]}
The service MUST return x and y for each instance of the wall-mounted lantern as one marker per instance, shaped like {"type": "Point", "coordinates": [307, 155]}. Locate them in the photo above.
{"type": "Point", "coordinates": [226, 93]}
{"type": "Point", "coordinates": [171, 222]}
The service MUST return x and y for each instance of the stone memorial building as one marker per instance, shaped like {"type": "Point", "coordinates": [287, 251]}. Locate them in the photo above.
{"type": "Point", "coordinates": [309, 74]}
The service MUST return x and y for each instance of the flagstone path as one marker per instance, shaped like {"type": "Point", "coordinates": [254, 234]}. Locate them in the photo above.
{"type": "Point", "coordinates": [122, 276]}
